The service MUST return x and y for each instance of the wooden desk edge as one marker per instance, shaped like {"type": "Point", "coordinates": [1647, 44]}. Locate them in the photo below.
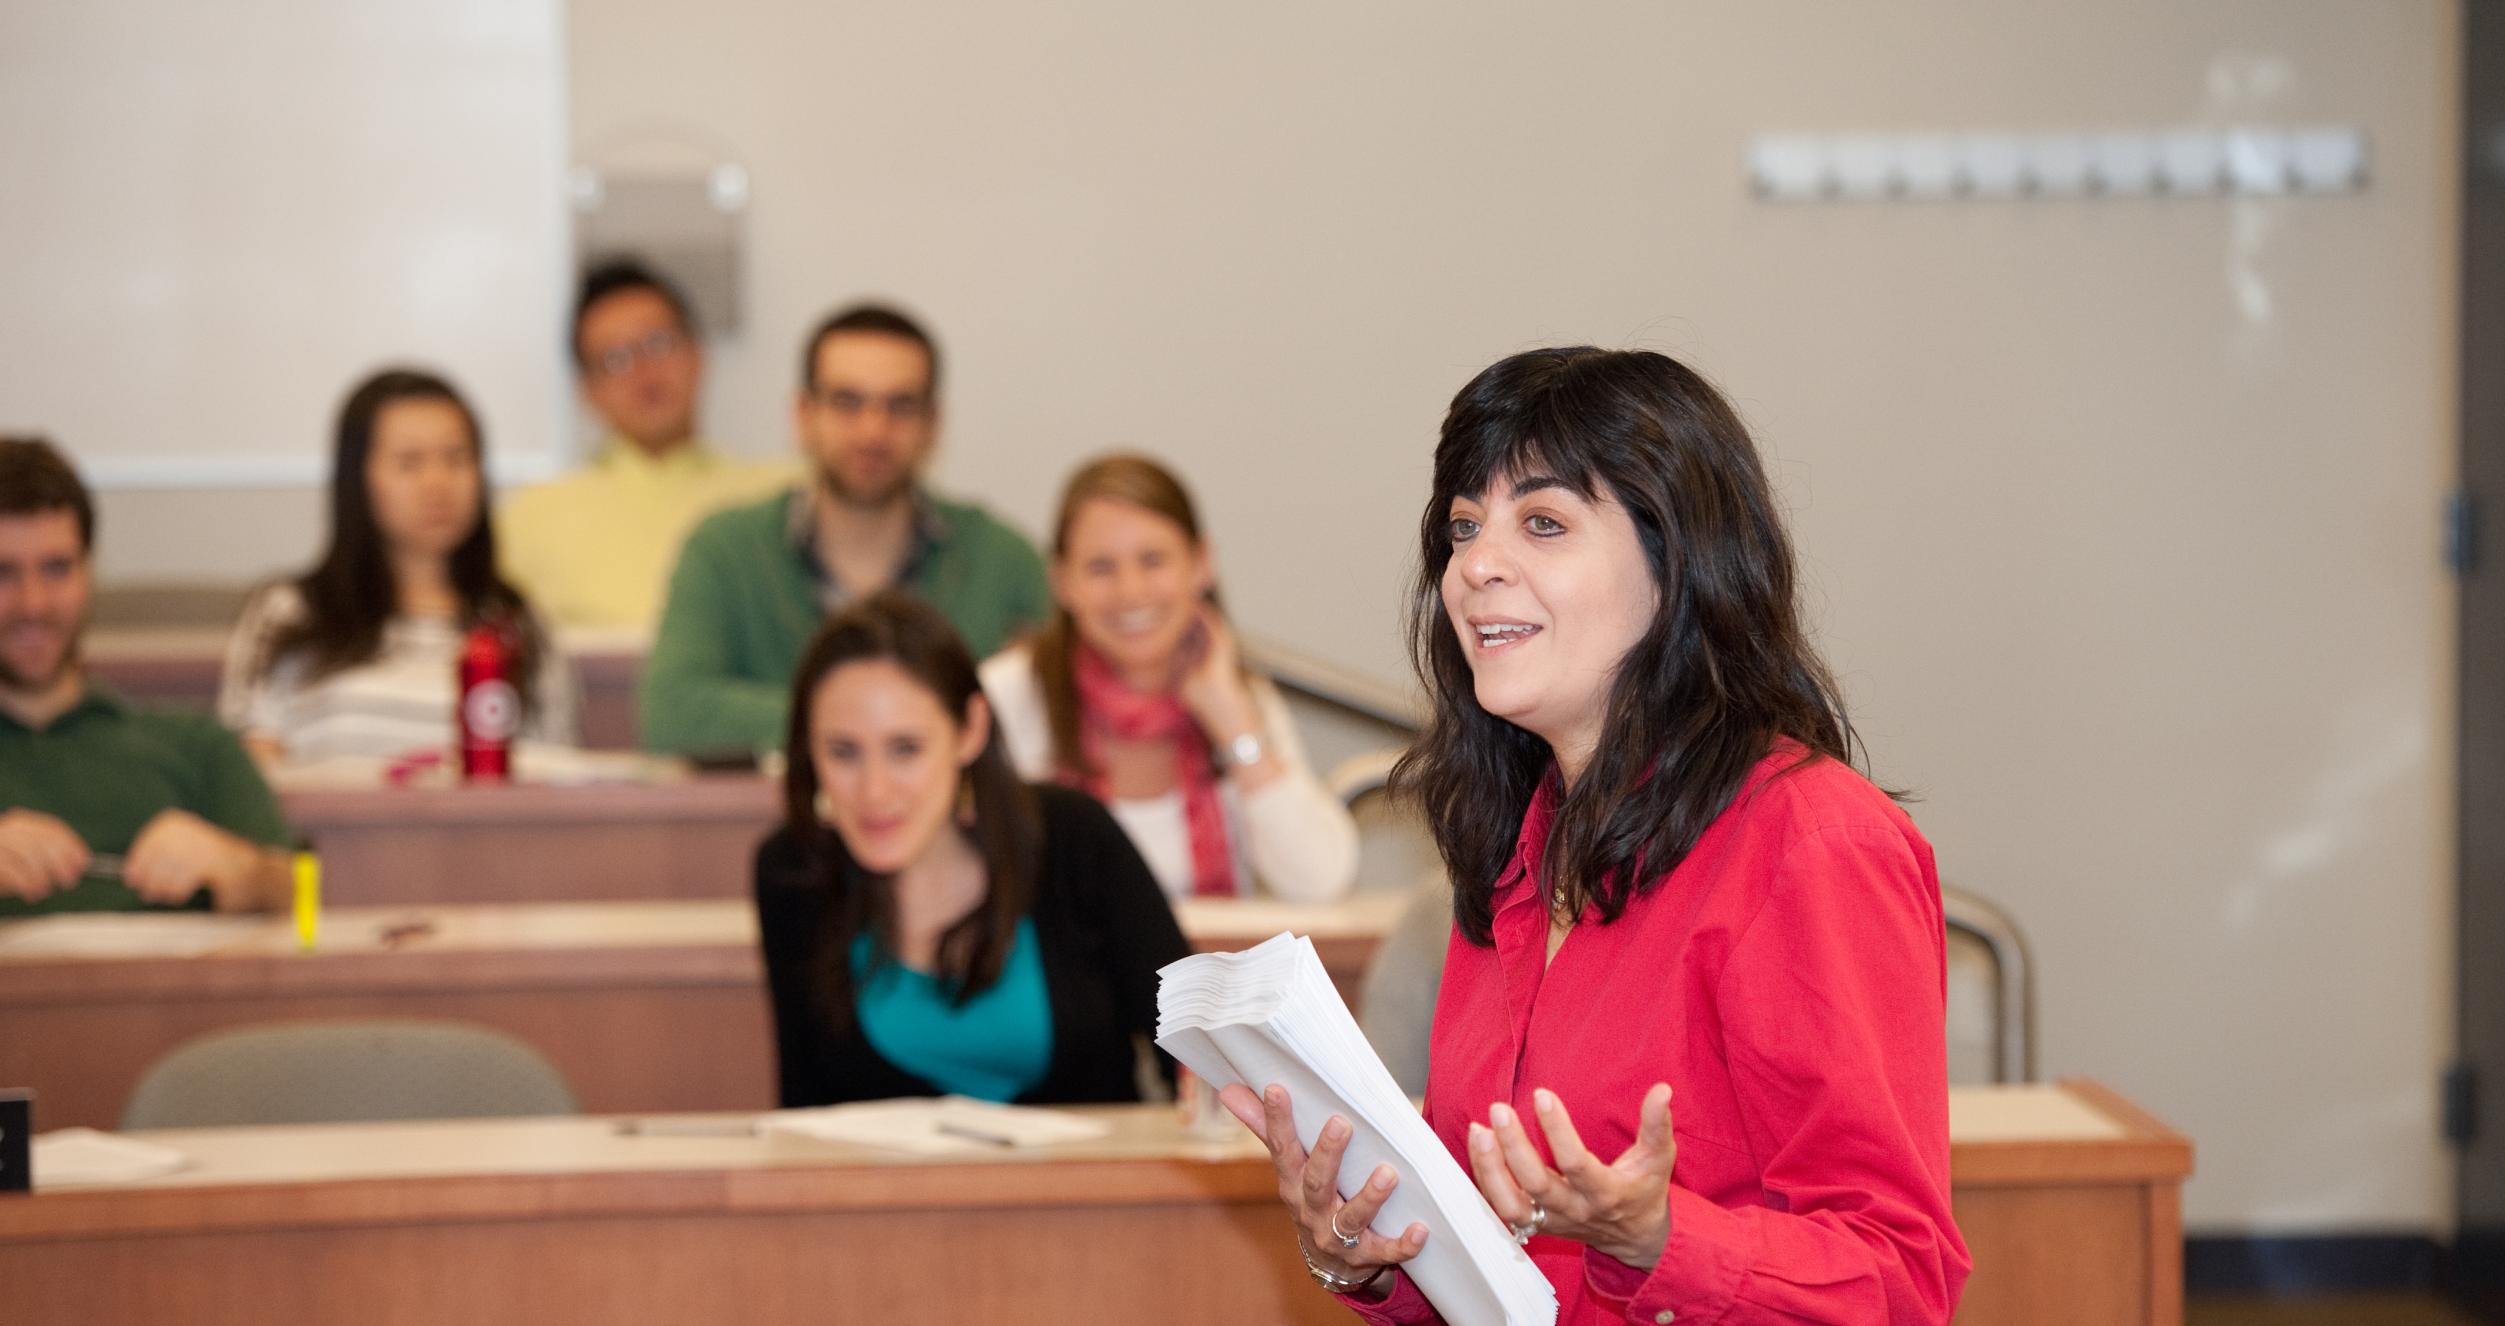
{"type": "Point", "coordinates": [2147, 1152]}
{"type": "Point", "coordinates": [441, 1199]}
{"type": "Point", "coordinates": [415, 970]}
{"type": "Point", "coordinates": [708, 798]}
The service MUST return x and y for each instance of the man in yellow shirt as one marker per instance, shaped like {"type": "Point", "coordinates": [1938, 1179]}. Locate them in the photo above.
{"type": "Point", "coordinates": [594, 548]}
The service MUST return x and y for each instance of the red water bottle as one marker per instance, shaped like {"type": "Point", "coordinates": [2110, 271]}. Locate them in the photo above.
{"type": "Point", "coordinates": [490, 709]}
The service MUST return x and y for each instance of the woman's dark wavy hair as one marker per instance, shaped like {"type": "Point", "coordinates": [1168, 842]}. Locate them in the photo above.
{"type": "Point", "coordinates": [1008, 830]}
{"type": "Point", "coordinates": [1722, 673]}
{"type": "Point", "coordinates": [350, 594]}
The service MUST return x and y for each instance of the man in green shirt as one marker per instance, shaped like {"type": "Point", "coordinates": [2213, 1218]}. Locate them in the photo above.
{"type": "Point", "coordinates": [753, 582]}
{"type": "Point", "coordinates": [104, 807]}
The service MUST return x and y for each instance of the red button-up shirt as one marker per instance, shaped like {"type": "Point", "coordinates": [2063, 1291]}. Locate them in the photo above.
{"type": "Point", "coordinates": [1788, 980]}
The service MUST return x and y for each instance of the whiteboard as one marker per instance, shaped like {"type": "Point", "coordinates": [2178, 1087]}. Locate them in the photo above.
{"type": "Point", "coordinates": [219, 217]}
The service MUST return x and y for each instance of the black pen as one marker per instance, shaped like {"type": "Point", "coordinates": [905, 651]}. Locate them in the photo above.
{"type": "Point", "coordinates": [947, 1129]}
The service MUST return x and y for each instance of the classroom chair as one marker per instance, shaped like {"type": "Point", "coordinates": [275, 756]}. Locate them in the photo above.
{"type": "Point", "coordinates": [344, 1072]}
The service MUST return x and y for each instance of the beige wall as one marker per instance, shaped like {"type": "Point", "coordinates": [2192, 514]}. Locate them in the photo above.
{"type": "Point", "coordinates": [2120, 515]}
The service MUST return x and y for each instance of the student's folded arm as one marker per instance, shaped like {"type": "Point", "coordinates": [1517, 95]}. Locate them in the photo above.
{"type": "Point", "coordinates": [1302, 841]}
{"type": "Point", "coordinates": [270, 886]}
{"type": "Point", "coordinates": [691, 702]}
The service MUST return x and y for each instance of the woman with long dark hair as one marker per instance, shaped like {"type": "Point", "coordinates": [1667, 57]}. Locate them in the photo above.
{"type": "Point", "coordinates": [930, 923]}
{"type": "Point", "coordinates": [359, 655]}
{"type": "Point", "coordinates": [1135, 691]}
{"type": "Point", "coordinates": [1666, 875]}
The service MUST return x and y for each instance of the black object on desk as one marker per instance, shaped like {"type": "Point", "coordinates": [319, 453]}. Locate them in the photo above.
{"type": "Point", "coordinates": [17, 1136]}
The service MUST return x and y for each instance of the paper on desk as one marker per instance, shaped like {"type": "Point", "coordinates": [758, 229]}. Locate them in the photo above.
{"type": "Point", "coordinates": [570, 766]}
{"type": "Point", "coordinates": [124, 934]}
{"type": "Point", "coordinates": [71, 1157]}
{"type": "Point", "coordinates": [534, 762]}
{"type": "Point", "coordinates": [945, 1126]}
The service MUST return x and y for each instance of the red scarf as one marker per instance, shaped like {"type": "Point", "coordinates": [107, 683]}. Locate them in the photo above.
{"type": "Point", "coordinates": [1107, 707]}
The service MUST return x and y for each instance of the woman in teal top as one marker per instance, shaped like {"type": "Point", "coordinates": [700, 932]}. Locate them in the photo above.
{"type": "Point", "coordinates": [931, 924]}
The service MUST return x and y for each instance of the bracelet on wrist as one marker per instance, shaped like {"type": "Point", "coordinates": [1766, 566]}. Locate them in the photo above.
{"type": "Point", "coordinates": [1335, 1283]}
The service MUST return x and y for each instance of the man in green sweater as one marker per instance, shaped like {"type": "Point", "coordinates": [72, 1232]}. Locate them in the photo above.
{"type": "Point", "coordinates": [105, 807]}
{"type": "Point", "coordinates": [753, 582]}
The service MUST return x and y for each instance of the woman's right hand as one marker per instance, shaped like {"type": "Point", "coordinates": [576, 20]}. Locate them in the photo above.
{"type": "Point", "coordinates": [1309, 1184]}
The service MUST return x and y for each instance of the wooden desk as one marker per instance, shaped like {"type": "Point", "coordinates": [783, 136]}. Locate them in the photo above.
{"type": "Point", "coordinates": [695, 838]}
{"type": "Point", "coordinates": [566, 1221]}
{"type": "Point", "coordinates": [643, 1006]}
{"type": "Point", "coordinates": [177, 667]}
{"type": "Point", "coordinates": [2071, 1200]}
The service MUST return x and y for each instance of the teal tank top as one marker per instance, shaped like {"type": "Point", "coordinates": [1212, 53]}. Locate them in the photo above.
{"type": "Point", "coordinates": [996, 1046]}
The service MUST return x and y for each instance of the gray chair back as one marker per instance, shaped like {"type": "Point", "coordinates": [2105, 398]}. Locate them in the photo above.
{"type": "Point", "coordinates": [1396, 1003]}
{"type": "Point", "coordinates": [1991, 993]}
{"type": "Point", "coordinates": [1394, 850]}
{"type": "Point", "coordinates": [347, 1072]}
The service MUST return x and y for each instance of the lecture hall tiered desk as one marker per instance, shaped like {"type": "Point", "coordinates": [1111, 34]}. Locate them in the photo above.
{"type": "Point", "coordinates": [644, 1006]}
{"type": "Point", "coordinates": [2067, 1194]}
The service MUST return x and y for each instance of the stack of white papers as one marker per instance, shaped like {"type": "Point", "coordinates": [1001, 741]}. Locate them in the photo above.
{"type": "Point", "coordinates": [71, 1157]}
{"type": "Point", "coordinates": [946, 1125]}
{"type": "Point", "coordinates": [1270, 1014]}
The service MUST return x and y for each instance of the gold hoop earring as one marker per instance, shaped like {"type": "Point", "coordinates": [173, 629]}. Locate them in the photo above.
{"type": "Point", "coordinates": [965, 800]}
{"type": "Point", "coordinates": [824, 808]}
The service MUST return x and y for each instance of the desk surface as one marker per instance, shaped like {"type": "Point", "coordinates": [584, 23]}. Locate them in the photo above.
{"type": "Point", "coordinates": [30, 949]}
{"type": "Point", "coordinates": [2065, 1193]}
{"type": "Point", "coordinates": [2095, 1133]}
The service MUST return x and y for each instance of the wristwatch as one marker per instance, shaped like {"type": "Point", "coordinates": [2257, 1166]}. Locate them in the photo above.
{"type": "Point", "coordinates": [1244, 752]}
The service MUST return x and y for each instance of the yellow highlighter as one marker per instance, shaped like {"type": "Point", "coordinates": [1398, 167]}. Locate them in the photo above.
{"type": "Point", "coordinates": [308, 898]}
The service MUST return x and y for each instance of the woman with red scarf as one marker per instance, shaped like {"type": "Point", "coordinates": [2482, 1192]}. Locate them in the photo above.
{"type": "Point", "coordinates": [1135, 693]}
{"type": "Point", "coordinates": [1667, 878]}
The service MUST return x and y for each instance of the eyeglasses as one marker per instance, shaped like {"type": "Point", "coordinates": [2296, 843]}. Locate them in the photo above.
{"type": "Point", "coordinates": [617, 360]}
{"type": "Point", "coordinates": [904, 407]}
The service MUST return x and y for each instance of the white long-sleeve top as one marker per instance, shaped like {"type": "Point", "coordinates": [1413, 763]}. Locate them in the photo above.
{"type": "Point", "coordinates": [1293, 836]}
{"type": "Point", "coordinates": [394, 703]}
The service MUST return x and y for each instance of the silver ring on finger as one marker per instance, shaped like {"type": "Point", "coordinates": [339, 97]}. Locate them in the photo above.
{"type": "Point", "coordinates": [1345, 1240]}
{"type": "Point", "coordinates": [1521, 1233]}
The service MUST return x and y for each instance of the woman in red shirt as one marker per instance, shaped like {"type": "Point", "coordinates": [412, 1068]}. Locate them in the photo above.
{"type": "Point", "coordinates": [1666, 875]}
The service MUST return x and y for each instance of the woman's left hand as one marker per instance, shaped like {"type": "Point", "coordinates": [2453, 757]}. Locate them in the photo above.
{"type": "Point", "coordinates": [1621, 1208]}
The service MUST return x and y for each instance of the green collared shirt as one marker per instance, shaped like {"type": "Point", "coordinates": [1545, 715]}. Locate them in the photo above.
{"type": "Point", "coordinates": [749, 592]}
{"type": "Point", "coordinates": [800, 529]}
{"type": "Point", "coordinates": [106, 768]}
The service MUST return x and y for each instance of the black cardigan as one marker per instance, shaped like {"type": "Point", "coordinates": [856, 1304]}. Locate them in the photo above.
{"type": "Point", "coordinates": [1103, 925]}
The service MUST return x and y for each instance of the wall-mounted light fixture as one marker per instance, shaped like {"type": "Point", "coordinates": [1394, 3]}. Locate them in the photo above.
{"type": "Point", "coordinates": [2179, 163]}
